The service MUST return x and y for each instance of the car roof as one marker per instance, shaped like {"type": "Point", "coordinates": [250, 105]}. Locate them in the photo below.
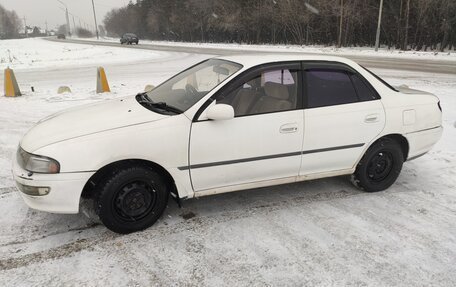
{"type": "Point", "coordinates": [254, 59]}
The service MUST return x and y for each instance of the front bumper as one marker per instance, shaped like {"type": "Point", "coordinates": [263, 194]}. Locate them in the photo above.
{"type": "Point", "coordinates": [64, 194]}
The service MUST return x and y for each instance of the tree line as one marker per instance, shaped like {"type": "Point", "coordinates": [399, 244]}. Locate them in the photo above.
{"type": "Point", "coordinates": [406, 24]}
{"type": "Point", "coordinates": [9, 24]}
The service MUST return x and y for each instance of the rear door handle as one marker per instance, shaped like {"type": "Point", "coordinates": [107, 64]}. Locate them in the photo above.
{"type": "Point", "coordinates": [289, 128]}
{"type": "Point", "coordinates": [372, 118]}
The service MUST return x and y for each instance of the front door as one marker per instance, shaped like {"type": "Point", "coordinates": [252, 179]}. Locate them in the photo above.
{"type": "Point", "coordinates": [264, 140]}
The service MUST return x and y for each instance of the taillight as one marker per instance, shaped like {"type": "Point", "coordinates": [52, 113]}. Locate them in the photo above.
{"type": "Point", "coordinates": [440, 107]}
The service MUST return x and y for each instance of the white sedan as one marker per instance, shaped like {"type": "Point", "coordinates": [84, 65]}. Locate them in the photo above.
{"type": "Point", "coordinates": [226, 124]}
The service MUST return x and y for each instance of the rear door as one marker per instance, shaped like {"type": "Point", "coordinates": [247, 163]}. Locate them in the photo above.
{"type": "Point", "coordinates": [343, 113]}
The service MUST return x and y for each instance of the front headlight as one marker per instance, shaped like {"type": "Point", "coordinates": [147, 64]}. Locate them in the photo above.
{"type": "Point", "coordinates": [36, 163]}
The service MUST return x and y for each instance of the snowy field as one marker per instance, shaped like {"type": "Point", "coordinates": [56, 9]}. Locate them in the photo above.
{"type": "Point", "coordinates": [38, 53]}
{"type": "Point", "coordinates": [322, 232]}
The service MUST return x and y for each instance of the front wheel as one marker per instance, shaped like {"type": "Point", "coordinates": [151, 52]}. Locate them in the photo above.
{"type": "Point", "coordinates": [131, 199]}
{"type": "Point", "coordinates": [380, 166]}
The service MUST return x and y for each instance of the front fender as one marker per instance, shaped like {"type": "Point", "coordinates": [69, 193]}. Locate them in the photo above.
{"type": "Point", "coordinates": [162, 142]}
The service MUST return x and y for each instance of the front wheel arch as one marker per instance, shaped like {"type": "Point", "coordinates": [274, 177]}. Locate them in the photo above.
{"type": "Point", "coordinates": [90, 187]}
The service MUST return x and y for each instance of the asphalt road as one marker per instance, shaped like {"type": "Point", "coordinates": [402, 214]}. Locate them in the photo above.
{"type": "Point", "coordinates": [416, 65]}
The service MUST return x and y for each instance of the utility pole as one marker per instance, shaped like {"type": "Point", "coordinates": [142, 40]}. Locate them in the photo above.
{"type": "Point", "coordinates": [406, 26]}
{"type": "Point", "coordinates": [46, 27]}
{"type": "Point", "coordinates": [25, 25]}
{"type": "Point", "coordinates": [339, 41]}
{"type": "Point", "coordinates": [95, 17]}
{"type": "Point", "coordinates": [377, 37]}
{"type": "Point", "coordinates": [68, 23]}
{"type": "Point", "coordinates": [74, 25]}
{"type": "Point", "coordinates": [67, 18]}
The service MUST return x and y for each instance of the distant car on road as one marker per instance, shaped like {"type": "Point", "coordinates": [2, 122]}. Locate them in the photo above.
{"type": "Point", "coordinates": [226, 124]}
{"type": "Point", "coordinates": [61, 36]}
{"type": "Point", "coordinates": [129, 38]}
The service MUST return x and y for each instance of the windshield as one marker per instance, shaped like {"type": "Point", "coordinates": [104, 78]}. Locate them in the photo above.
{"type": "Point", "coordinates": [187, 88]}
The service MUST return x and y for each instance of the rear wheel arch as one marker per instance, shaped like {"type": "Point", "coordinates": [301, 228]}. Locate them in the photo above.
{"type": "Point", "coordinates": [90, 187]}
{"type": "Point", "coordinates": [381, 164]}
{"type": "Point", "coordinates": [400, 139]}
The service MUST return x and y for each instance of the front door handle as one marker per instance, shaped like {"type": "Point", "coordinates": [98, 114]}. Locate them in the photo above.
{"type": "Point", "coordinates": [289, 128]}
{"type": "Point", "coordinates": [372, 118]}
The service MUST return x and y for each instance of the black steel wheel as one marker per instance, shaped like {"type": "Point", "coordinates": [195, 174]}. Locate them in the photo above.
{"type": "Point", "coordinates": [380, 166]}
{"type": "Point", "coordinates": [135, 200]}
{"type": "Point", "coordinates": [131, 199]}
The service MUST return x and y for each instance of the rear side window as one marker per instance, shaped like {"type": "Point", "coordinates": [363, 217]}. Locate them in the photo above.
{"type": "Point", "coordinates": [328, 87]}
{"type": "Point", "coordinates": [365, 92]}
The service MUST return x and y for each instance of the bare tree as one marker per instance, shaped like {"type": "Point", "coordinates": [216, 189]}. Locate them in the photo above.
{"type": "Point", "coordinates": [417, 24]}
{"type": "Point", "coordinates": [10, 23]}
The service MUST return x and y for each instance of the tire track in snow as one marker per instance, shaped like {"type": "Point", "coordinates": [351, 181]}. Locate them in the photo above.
{"type": "Point", "coordinates": [194, 223]}
{"type": "Point", "coordinates": [32, 239]}
{"type": "Point", "coordinates": [6, 190]}
{"type": "Point", "coordinates": [54, 253]}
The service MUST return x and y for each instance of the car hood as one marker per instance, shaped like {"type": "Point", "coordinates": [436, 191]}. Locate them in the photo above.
{"type": "Point", "coordinates": [87, 119]}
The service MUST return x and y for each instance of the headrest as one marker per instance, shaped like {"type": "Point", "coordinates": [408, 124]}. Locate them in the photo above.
{"type": "Point", "coordinates": [276, 90]}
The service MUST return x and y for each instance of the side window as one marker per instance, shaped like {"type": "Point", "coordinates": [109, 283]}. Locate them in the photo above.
{"type": "Point", "coordinates": [365, 92]}
{"type": "Point", "coordinates": [328, 87]}
{"type": "Point", "coordinates": [269, 91]}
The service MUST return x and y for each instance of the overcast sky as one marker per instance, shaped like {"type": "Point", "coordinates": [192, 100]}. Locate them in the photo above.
{"type": "Point", "coordinates": [37, 12]}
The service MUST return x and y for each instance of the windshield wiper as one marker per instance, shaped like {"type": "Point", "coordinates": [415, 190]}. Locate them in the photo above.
{"type": "Point", "coordinates": [143, 97]}
{"type": "Point", "coordinates": [144, 100]}
{"type": "Point", "coordinates": [166, 107]}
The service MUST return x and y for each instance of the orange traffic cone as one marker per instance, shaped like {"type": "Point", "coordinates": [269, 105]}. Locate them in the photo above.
{"type": "Point", "coordinates": [102, 81]}
{"type": "Point", "coordinates": [11, 86]}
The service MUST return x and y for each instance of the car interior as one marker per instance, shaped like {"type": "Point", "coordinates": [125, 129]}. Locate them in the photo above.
{"type": "Point", "coordinates": [272, 91]}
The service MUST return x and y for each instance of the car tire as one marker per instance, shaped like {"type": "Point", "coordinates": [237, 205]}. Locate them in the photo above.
{"type": "Point", "coordinates": [131, 199]}
{"type": "Point", "coordinates": [379, 167]}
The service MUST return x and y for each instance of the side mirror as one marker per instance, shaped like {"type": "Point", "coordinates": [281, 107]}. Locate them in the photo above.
{"type": "Point", "coordinates": [220, 112]}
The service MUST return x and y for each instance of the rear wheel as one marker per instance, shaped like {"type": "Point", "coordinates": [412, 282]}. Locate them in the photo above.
{"type": "Point", "coordinates": [380, 166]}
{"type": "Point", "coordinates": [131, 199]}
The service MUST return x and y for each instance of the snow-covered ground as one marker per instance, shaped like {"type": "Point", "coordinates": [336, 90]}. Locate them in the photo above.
{"type": "Point", "coordinates": [322, 232]}
{"type": "Point", "coordinates": [37, 53]}
{"type": "Point", "coordinates": [315, 49]}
